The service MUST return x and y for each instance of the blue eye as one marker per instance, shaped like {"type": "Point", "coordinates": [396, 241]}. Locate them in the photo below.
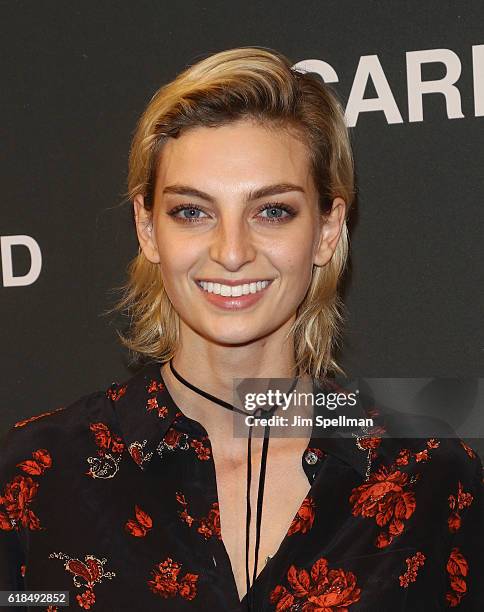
{"type": "Point", "coordinates": [193, 209]}
{"type": "Point", "coordinates": [190, 211]}
{"type": "Point", "coordinates": [190, 208]}
{"type": "Point", "coordinates": [279, 208]}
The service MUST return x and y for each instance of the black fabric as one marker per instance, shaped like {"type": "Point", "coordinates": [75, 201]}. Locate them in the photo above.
{"type": "Point", "coordinates": [114, 499]}
{"type": "Point", "coordinates": [260, 501]}
{"type": "Point", "coordinates": [262, 473]}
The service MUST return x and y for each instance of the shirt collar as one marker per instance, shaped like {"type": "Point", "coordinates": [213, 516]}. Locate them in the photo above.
{"type": "Point", "coordinates": [145, 411]}
{"type": "Point", "coordinates": [348, 445]}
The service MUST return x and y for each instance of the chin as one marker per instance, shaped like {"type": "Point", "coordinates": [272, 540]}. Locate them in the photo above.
{"type": "Point", "coordinates": [229, 335]}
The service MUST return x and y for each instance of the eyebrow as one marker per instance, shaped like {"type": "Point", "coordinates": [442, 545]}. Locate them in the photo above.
{"type": "Point", "coordinates": [253, 194]}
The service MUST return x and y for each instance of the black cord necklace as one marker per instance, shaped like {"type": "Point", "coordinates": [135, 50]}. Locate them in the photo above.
{"type": "Point", "coordinates": [260, 492]}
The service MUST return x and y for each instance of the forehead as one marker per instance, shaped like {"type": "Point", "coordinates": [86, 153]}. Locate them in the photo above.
{"type": "Point", "coordinates": [236, 156]}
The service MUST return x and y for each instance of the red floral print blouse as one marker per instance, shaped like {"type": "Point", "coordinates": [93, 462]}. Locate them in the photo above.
{"type": "Point", "coordinates": [113, 498]}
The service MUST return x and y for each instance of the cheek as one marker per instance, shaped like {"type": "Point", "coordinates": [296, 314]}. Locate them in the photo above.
{"type": "Point", "coordinates": [297, 274]}
{"type": "Point", "coordinates": [295, 262]}
{"type": "Point", "coordinates": [176, 261]}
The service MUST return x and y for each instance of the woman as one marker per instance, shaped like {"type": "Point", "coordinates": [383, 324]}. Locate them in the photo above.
{"type": "Point", "coordinates": [140, 496]}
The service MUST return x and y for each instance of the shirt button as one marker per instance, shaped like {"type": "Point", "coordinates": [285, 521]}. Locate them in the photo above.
{"type": "Point", "coordinates": [311, 457]}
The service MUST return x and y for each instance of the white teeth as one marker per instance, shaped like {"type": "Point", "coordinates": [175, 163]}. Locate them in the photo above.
{"type": "Point", "coordinates": [236, 291]}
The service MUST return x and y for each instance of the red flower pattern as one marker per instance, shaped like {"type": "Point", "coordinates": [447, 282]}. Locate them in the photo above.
{"type": "Point", "coordinates": [152, 404]}
{"type": "Point", "coordinates": [468, 449]}
{"type": "Point", "coordinates": [20, 492]}
{"type": "Point", "coordinates": [86, 599]}
{"type": "Point", "coordinates": [413, 563]}
{"type": "Point", "coordinates": [384, 497]}
{"type": "Point", "coordinates": [422, 456]}
{"type": "Point", "coordinates": [37, 416]}
{"type": "Point", "coordinates": [105, 439]}
{"type": "Point", "coordinates": [457, 569]}
{"type": "Point", "coordinates": [166, 582]}
{"type": "Point", "coordinates": [140, 525]}
{"type": "Point", "coordinates": [136, 450]}
{"type": "Point", "coordinates": [208, 525]}
{"type": "Point", "coordinates": [370, 443]}
{"type": "Point", "coordinates": [154, 387]}
{"type": "Point", "coordinates": [110, 449]}
{"type": "Point", "coordinates": [202, 450]}
{"type": "Point", "coordinates": [304, 519]}
{"type": "Point", "coordinates": [404, 456]}
{"type": "Point", "coordinates": [457, 503]}
{"type": "Point", "coordinates": [175, 439]}
{"type": "Point", "coordinates": [322, 590]}
{"type": "Point", "coordinates": [36, 466]}
{"type": "Point", "coordinates": [114, 394]}
{"type": "Point", "coordinates": [85, 574]}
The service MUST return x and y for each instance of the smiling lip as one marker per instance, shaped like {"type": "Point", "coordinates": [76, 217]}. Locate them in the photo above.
{"type": "Point", "coordinates": [232, 283]}
{"type": "Point", "coordinates": [234, 303]}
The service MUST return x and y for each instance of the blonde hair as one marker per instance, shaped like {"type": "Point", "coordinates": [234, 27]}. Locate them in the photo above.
{"type": "Point", "coordinates": [254, 83]}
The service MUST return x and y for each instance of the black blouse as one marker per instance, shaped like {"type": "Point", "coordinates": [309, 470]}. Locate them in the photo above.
{"type": "Point", "coordinates": [113, 498]}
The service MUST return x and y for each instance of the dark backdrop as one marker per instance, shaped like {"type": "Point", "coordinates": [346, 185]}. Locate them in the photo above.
{"type": "Point", "coordinates": [76, 76]}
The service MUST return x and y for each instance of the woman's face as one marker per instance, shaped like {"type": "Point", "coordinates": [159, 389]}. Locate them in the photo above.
{"type": "Point", "coordinates": [209, 224]}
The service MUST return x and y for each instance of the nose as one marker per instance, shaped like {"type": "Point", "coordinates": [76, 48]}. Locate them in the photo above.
{"type": "Point", "coordinates": [232, 244]}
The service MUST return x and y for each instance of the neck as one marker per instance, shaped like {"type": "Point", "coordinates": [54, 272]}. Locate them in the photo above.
{"type": "Point", "coordinates": [213, 368]}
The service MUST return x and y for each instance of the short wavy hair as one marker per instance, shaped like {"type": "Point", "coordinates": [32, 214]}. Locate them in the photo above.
{"type": "Point", "coordinates": [244, 83]}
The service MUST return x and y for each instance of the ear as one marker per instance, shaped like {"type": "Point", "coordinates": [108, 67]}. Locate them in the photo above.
{"type": "Point", "coordinates": [144, 229]}
{"type": "Point", "coordinates": [330, 232]}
